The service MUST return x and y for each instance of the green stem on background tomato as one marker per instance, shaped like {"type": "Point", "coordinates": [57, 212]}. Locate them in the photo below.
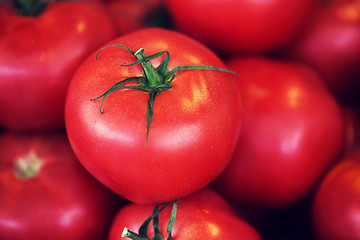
{"type": "Point", "coordinates": [155, 218]}
{"type": "Point", "coordinates": [132, 235]}
{"type": "Point", "coordinates": [31, 8]}
{"type": "Point", "coordinates": [27, 167]}
{"type": "Point", "coordinates": [154, 80]}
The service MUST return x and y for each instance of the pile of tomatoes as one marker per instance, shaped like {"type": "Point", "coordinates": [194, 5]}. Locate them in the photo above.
{"type": "Point", "coordinates": [179, 119]}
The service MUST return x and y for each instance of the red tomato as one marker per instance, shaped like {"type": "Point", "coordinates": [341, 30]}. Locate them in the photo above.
{"type": "Point", "coordinates": [47, 194]}
{"type": "Point", "coordinates": [247, 25]}
{"type": "Point", "coordinates": [195, 124]}
{"type": "Point", "coordinates": [331, 45]}
{"type": "Point", "coordinates": [39, 56]}
{"type": "Point", "coordinates": [204, 215]}
{"type": "Point", "coordinates": [131, 15]}
{"type": "Point", "coordinates": [292, 130]}
{"type": "Point", "coordinates": [336, 209]}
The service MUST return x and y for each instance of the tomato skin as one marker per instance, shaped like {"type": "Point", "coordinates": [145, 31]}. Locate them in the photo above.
{"type": "Point", "coordinates": [331, 45]}
{"type": "Point", "coordinates": [193, 133]}
{"type": "Point", "coordinates": [337, 201]}
{"type": "Point", "coordinates": [247, 25]}
{"type": "Point", "coordinates": [62, 202]}
{"type": "Point", "coordinates": [292, 130]}
{"type": "Point", "coordinates": [131, 15]}
{"type": "Point", "coordinates": [39, 56]}
{"type": "Point", "coordinates": [204, 215]}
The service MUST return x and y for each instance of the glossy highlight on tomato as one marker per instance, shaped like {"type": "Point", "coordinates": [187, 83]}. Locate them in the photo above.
{"type": "Point", "coordinates": [234, 26]}
{"type": "Point", "coordinates": [39, 55]}
{"type": "Point", "coordinates": [293, 129]}
{"type": "Point", "coordinates": [204, 215]}
{"type": "Point", "coordinates": [336, 205]}
{"type": "Point", "coordinates": [47, 194]}
{"type": "Point", "coordinates": [331, 45]}
{"type": "Point", "coordinates": [193, 131]}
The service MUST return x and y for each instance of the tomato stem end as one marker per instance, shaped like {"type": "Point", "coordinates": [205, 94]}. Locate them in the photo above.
{"type": "Point", "coordinates": [27, 167]}
{"type": "Point", "coordinates": [154, 80]}
{"type": "Point", "coordinates": [155, 219]}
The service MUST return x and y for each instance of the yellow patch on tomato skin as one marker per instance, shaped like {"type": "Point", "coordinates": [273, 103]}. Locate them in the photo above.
{"type": "Point", "coordinates": [349, 12]}
{"type": "Point", "coordinates": [199, 96]}
{"type": "Point", "coordinates": [294, 97]}
{"type": "Point", "coordinates": [213, 229]}
{"type": "Point", "coordinates": [80, 27]}
{"type": "Point", "coordinates": [193, 59]}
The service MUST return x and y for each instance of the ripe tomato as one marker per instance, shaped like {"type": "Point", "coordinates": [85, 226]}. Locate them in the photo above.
{"type": "Point", "coordinates": [292, 130]}
{"type": "Point", "coordinates": [131, 15]}
{"type": "Point", "coordinates": [47, 194]}
{"type": "Point", "coordinates": [39, 55]}
{"type": "Point", "coordinates": [204, 215]}
{"type": "Point", "coordinates": [195, 124]}
{"type": "Point", "coordinates": [336, 208]}
{"type": "Point", "coordinates": [331, 45]}
{"type": "Point", "coordinates": [246, 25]}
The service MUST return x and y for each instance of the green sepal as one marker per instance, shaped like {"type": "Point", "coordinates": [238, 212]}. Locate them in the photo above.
{"type": "Point", "coordinates": [172, 220]}
{"type": "Point", "coordinates": [148, 58]}
{"type": "Point", "coordinates": [163, 67]}
{"type": "Point", "coordinates": [150, 112]}
{"type": "Point", "coordinates": [142, 235]}
{"type": "Point", "coordinates": [145, 225]}
{"type": "Point", "coordinates": [114, 45]}
{"type": "Point", "coordinates": [154, 81]}
{"type": "Point", "coordinates": [130, 234]}
{"type": "Point", "coordinates": [118, 86]}
{"type": "Point", "coordinates": [156, 224]}
{"type": "Point", "coordinates": [169, 75]}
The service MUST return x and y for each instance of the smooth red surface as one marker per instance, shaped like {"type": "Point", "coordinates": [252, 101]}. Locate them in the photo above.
{"type": "Point", "coordinates": [247, 25]}
{"type": "Point", "coordinates": [194, 130]}
{"type": "Point", "coordinates": [63, 201]}
{"type": "Point", "coordinates": [336, 209]}
{"type": "Point", "coordinates": [204, 215]}
{"type": "Point", "coordinates": [292, 130]}
{"type": "Point", "coordinates": [39, 56]}
{"type": "Point", "coordinates": [331, 45]}
{"type": "Point", "coordinates": [131, 15]}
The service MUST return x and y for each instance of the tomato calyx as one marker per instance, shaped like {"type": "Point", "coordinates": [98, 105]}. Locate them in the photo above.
{"type": "Point", "coordinates": [154, 80]}
{"type": "Point", "coordinates": [31, 8]}
{"type": "Point", "coordinates": [27, 167]}
{"type": "Point", "coordinates": [155, 219]}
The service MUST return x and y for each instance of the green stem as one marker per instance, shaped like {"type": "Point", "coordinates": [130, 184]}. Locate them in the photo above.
{"type": "Point", "coordinates": [155, 219]}
{"type": "Point", "coordinates": [154, 81]}
{"type": "Point", "coordinates": [153, 77]}
{"type": "Point", "coordinates": [127, 233]}
{"type": "Point", "coordinates": [31, 8]}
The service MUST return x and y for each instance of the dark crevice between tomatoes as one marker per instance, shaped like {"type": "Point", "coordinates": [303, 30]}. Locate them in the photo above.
{"type": "Point", "coordinates": [142, 235]}
{"type": "Point", "coordinates": [154, 80]}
